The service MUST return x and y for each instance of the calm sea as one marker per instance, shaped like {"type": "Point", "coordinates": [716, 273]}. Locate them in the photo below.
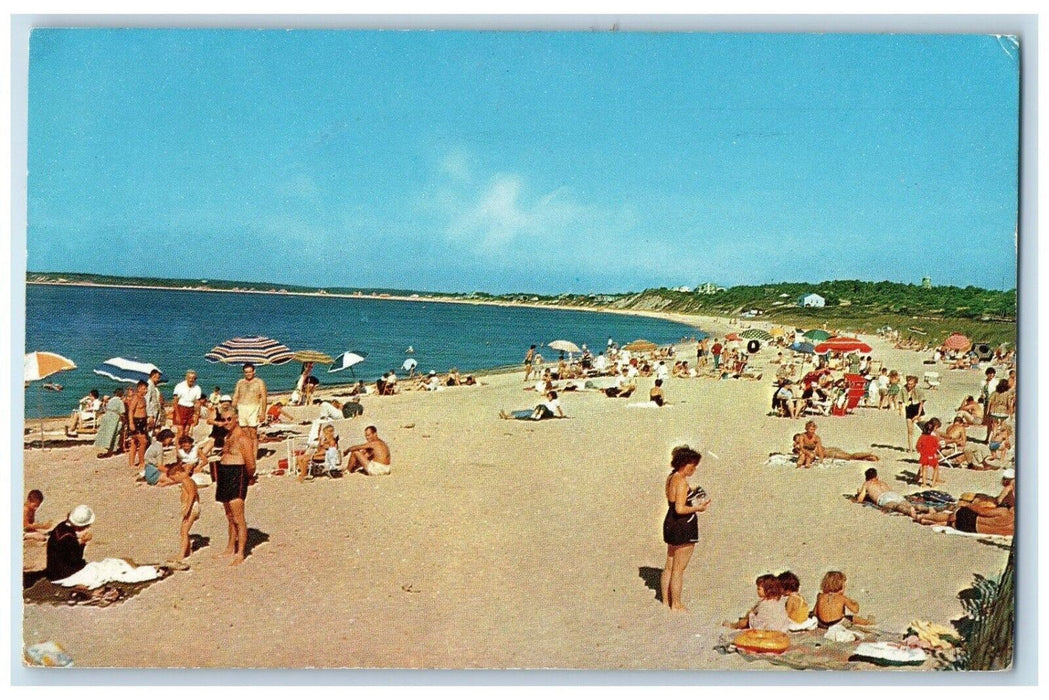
{"type": "Point", "coordinates": [174, 328]}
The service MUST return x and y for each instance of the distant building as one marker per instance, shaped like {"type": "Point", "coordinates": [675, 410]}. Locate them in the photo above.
{"type": "Point", "coordinates": [927, 282]}
{"type": "Point", "coordinates": [683, 288]}
{"type": "Point", "coordinates": [812, 301]}
{"type": "Point", "coordinates": [709, 288]}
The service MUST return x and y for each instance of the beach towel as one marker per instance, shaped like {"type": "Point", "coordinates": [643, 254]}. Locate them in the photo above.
{"type": "Point", "coordinates": [99, 573]}
{"type": "Point", "coordinates": [947, 530]}
{"type": "Point", "coordinates": [779, 459]}
{"type": "Point", "coordinates": [811, 650]}
{"type": "Point", "coordinates": [643, 404]}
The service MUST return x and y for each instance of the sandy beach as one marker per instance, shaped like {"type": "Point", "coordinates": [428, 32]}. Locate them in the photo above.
{"type": "Point", "coordinates": [513, 544]}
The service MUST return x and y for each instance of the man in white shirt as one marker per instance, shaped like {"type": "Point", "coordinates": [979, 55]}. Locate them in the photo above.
{"type": "Point", "coordinates": [661, 371]}
{"type": "Point", "coordinates": [601, 363]}
{"type": "Point", "coordinates": [186, 413]}
{"type": "Point", "coordinates": [88, 410]}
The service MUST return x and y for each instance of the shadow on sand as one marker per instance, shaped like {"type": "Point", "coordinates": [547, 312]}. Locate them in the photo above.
{"type": "Point", "coordinates": [198, 542]}
{"type": "Point", "coordinates": [650, 575]}
{"type": "Point", "coordinates": [255, 538]}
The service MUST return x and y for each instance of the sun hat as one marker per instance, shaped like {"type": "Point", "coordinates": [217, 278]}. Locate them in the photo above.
{"type": "Point", "coordinates": [1009, 474]}
{"type": "Point", "coordinates": [224, 398]}
{"type": "Point", "coordinates": [82, 516]}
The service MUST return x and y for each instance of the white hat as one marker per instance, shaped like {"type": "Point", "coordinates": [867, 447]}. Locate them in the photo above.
{"type": "Point", "coordinates": [224, 398]}
{"type": "Point", "coordinates": [82, 516]}
{"type": "Point", "coordinates": [1009, 474]}
{"type": "Point", "coordinates": [432, 371]}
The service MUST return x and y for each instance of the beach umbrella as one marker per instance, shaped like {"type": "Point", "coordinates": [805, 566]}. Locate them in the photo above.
{"type": "Point", "coordinates": [842, 344]}
{"type": "Point", "coordinates": [807, 348]}
{"type": "Point", "coordinates": [120, 369]}
{"type": "Point", "coordinates": [984, 351]}
{"type": "Point", "coordinates": [255, 349]}
{"type": "Point", "coordinates": [640, 345]}
{"type": "Point", "coordinates": [817, 335]}
{"type": "Point", "coordinates": [756, 334]}
{"type": "Point", "coordinates": [409, 365]}
{"type": "Point", "coordinates": [777, 332]}
{"type": "Point", "coordinates": [315, 356]}
{"type": "Point", "coordinates": [957, 341]}
{"type": "Point", "coordinates": [347, 360]}
{"type": "Point", "coordinates": [41, 365]}
{"type": "Point", "coordinates": [753, 345]}
{"type": "Point", "coordinates": [732, 336]}
{"type": "Point", "coordinates": [563, 346]}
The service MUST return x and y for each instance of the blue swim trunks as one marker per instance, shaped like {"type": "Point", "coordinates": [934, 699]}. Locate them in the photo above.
{"type": "Point", "coordinates": [152, 474]}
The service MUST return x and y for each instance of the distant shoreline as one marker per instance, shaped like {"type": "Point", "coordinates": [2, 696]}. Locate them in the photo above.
{"type": "Point", "coordinates": [686, 319]}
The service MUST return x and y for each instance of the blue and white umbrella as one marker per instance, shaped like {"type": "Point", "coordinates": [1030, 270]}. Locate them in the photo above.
{"type": "Point", "coordinates": [127, 371]}
{"type": "Point", "coordinates": [347, 360]}
{"type": "Point", "coordinates": [807, 348]}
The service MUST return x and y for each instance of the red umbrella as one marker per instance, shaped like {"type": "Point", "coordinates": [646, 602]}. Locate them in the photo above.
{"type": "Point", "coordinates": [957, 341]}
{"type": "Point", "coordinates": [842, 344]}
{"type": "Point", "coordinates": [732, 336]}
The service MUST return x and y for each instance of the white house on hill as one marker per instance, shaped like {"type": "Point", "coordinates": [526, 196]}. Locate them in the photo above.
{"type": "Point", "coordinates": [812, 300]}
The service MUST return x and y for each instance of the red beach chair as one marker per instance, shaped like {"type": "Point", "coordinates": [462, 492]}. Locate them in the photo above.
{"type": "Point", "coordinates": [853, 395]}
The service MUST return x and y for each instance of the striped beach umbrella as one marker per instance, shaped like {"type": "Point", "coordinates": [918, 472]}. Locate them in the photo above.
{"type": "Point", "coordinates": [807, 348]}
{"type": "Point", "coordinates": [255, 349]}
{"type": "Point", "coordinates": [127, 371]}
{"type": "Point", "coordinates": [351, 358]}
{"type": "Point", "coordinates": [756, 334]}
{"type": "Point", "coordinates": [315, 356]}
{"type": "Point", "coordinates": [41, 365]}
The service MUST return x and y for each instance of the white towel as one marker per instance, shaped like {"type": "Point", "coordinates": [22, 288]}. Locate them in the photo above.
{"type": "Point", "coordinates": [99, 573]}
{"type": "Point", "coordinates": [1004, 539]}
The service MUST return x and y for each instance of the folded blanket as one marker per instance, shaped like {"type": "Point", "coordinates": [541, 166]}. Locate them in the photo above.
{"type": "Point", "coordinates": [99, 573]}
{"type": "Point", "coordinates": [778, 459]}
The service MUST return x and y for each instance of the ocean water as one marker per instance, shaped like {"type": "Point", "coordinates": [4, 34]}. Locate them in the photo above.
{"type": "Point", "coordinates": [174, 328]}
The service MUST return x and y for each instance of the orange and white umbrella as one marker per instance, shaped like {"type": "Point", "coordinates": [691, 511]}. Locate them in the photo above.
{"type": "Point", "coordinates": [41, 365]}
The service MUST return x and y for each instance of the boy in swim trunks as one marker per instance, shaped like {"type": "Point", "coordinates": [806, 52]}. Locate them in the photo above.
{"type": "Point", "coordinates": [190, 505]}
{"type": "Point", "coordinates": [31, 529]}
{"type": "Point", "coordinates": [138, 425]}
{"type": "Point", "coordinates": [878, 492]}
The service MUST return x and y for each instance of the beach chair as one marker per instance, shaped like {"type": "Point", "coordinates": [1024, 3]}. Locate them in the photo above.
{"type": "Point", "coordinates": [932, 380]}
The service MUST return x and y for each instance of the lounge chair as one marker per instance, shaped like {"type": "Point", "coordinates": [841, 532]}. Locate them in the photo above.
{"type": "Point", "coordinates": [932, 380]}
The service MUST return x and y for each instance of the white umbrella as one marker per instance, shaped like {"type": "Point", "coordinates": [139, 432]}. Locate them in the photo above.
{"type": "Point", "coordinates": [409, 365]}
{"type": "Point", "coordinates": [347, 360]}
{"type": "Point", "coordinates": [120, 369]}
{"type": "Point", "coordinates": [564, 346]}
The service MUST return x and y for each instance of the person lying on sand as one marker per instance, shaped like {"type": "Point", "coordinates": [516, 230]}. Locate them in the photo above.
{"type": "Point", "coordinates": [878, 492]}
{"type": "Point", "coordinates": [980, 513]}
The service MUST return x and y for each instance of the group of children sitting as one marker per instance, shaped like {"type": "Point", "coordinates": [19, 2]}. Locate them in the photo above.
{"type": "Point", "coordinates": [782, 608]}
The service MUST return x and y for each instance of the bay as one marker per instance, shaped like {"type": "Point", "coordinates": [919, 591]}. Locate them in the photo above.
{"type": "Point", "coordinates": [174, 328]}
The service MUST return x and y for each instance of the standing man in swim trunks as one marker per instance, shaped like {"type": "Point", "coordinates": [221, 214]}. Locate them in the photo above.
{"type": "Point", "coordinates": [186, 411]}
{"type": "Point", "coordinates": [235, 469]}
{"type": "Point", "coordinates": [372, 457]}
{"type": "Point", "coordinates": [154, 403]}
{"type": "Point", "coordinates": [138, 425]}
{"type": "Point", "coordinates": [913, 406]}
{"type": "Point", "coordinates": [249, 402]}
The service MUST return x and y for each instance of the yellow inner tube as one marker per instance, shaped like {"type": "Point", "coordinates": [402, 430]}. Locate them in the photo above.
{"type": "Point", "coordinates": [762, 641]}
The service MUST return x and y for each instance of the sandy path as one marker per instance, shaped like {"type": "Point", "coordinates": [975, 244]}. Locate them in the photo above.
{"type": "Point", "coordinates": [511, 544]}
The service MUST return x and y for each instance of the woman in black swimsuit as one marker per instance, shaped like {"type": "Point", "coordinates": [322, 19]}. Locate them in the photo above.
{"type": "Point", "coordinates": [680, 526]}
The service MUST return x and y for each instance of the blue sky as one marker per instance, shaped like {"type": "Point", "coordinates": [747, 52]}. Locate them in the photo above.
{"type": "Point", "coordinates": [549, 162]}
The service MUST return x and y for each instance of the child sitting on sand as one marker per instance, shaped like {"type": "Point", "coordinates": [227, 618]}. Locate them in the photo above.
{"type": "Point", "coordinates": [770, 612]}
{"type": "Point", "coordinates": [188, 455]}
{"type": "Point", "coordinates": [797, 608]}
{"type": "Point", "coordinates": [31, 529]}
{"type": "Point", "coordinates": [190, 501]}
{"type": "Point", "coordinates": [833, 606]}
{"type": "Point", "coordinates": [155, 473]}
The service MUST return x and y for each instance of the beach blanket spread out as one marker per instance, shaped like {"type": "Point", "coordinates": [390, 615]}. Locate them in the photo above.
{"type": "Point", "coordinates": [947, 530]}
{"type": "Point", "coordinates": [778, 459]}
{"type": "Point", "coordinates": [99, 573]}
